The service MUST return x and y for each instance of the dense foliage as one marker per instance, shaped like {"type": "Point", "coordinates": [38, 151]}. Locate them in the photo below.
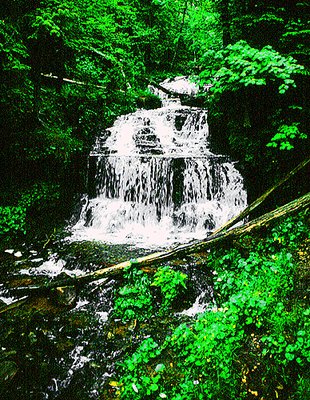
{"type": "Point", "coordinates": [260, 77]}
{"type": "Point", "coordinates": [68, 68]}
{"type": "Point", "coordinates": [252, 342]}
{"type": "Point", "coordinates": [134, 300]}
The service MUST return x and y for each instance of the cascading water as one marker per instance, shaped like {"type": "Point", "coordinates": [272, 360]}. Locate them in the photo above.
{"type": "Point", "coordinates": [157, 181]}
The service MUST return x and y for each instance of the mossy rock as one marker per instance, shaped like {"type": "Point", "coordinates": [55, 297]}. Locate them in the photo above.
{"type": "Point", "coordinates": [94, 254]}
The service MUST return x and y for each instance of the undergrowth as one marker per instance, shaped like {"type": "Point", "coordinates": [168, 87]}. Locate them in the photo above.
{"type": "Point", "coordinates": [253, 344]}
{"type": "Point", "coordinates": [15, 220]}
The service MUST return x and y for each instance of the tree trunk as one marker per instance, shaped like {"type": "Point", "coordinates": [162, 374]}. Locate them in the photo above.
{"type": "Point", "coordinates": [220, 235]}
{"type": "Point", "coordinates": [198, 246]}
{"type": "Point", "coordinates": [154, 259]}
{"type": "Point", "coordinates": [225, 19]}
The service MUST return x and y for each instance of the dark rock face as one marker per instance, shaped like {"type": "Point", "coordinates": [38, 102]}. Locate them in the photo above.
{"type": "Point", "coordinates": [147, 142]}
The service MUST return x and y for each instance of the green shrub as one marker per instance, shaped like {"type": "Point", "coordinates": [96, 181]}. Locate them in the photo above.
{"type": "Point", "coordinates": [134, 300]}
{"type": "Point", "coordinates": [285, 136]}
{"type": "Point", "coordinates": [14, 219]}
{"type": "Point", "coordinates": [254, 327]}
{"type": "Point", "coordinates": [170, 283]}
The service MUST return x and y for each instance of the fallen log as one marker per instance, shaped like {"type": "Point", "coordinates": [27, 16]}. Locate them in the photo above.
{"type": "Point", "coordinates": [72, 81]}
{"type": "Point", "coordinates": [105, 274]}
{"type": "Point", "coordinates": [260, 200]}
{"type": "Point", "coordinates": [198, 246]}
{"type": "Point", "coordinates": [167, 91]}
{"type": "Point", "coordinates": [15, 304]}
{"type": "Point", "coordinates": [223, 233]}
{"type": "Point", "coordinates": [181, 96]}
{"type": "Point", "coordinates": [187, 99]}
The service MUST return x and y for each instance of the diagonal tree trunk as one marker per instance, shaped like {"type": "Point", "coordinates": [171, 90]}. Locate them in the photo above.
{"type": "Point", "coordinates": [202, 245]}
{"type": "Point", "coordinates": [224, 233]}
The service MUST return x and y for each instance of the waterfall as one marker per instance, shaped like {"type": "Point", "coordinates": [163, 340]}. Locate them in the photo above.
{"type": "Point", "coordinates": [157, 181]}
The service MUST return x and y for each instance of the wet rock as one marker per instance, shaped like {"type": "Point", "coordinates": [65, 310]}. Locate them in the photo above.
{"type": "Point", "coordinates": [147, 141]}
{"type": "Point", "coordinates": [65, 295]}
{"type": "Point", "coordinates": [20, 281]}
{"type": "Point", "coordinates": [180, 121]}
{"type": "Point", "coordinates": [9, 251]}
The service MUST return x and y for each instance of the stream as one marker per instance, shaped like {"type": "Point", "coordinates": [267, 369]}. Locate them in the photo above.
{"type": "Point", "coordinates": [155, 184]}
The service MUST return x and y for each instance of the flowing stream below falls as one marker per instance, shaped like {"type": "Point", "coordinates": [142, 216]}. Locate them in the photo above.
{"type": "Point", "coordinates": [156, 183]}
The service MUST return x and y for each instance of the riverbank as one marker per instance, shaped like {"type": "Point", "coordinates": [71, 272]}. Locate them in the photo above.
{"type": "Point", "coordinates": [250, 334]}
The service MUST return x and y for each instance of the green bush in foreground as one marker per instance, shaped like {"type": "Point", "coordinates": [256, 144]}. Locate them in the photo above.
{"type": "Point", "coordinates": [253, 343]}
{"type": "Point", "coordinates": [134, 300]}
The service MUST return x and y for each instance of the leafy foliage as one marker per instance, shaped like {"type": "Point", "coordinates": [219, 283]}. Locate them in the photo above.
{"type": "Point", "coordinates": [255, 330]}
{"type": "Point", "coordinates": [13, 52]}
{"type": "Point", "coordinates": [240, 65]}
{"type": "Point", "coordinates": [135, 300]}
{"type": "Point", "coordinates": [14, 220]}
{"type": "Point", "coordinates": [286, 133]}
{"type": "Point", "coordinates": [170, 283]}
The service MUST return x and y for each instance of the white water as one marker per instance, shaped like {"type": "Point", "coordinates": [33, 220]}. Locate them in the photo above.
{"type": "Point", "coordinates": [157, 181]}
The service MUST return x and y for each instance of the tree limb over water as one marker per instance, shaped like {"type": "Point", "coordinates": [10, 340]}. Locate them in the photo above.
{"type": "Point", "coordinates": [72, 81]}
{"type": "Point", "coordinates": [224, 233]}
{"type": "Point", "coordinates": [258, 201]}
{"type": "Point", "coordinates": [219, 235]}
{"type": "Point", "coordinates": [198, 246]}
